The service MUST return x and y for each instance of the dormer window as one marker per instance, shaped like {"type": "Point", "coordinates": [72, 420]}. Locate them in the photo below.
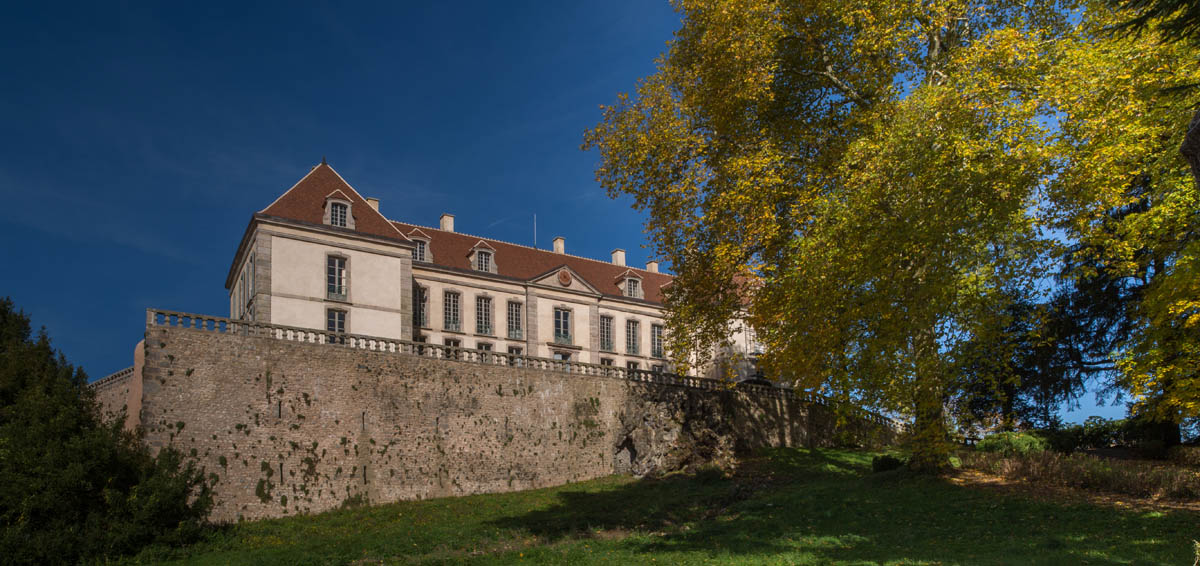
{"type": "Point", "coordinates": [633, 288]}
{"type": "Point", "coordinates": [337, 214]}
{"type": "Point", "coordinates": [421, 243]}
{"type": "Point", "coordinates": [337, 211]}
{"type": "Point", "coordinates": [482, 257]}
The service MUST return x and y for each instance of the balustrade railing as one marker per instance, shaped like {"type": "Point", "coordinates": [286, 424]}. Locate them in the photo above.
{"type": "Point", "coordinates": [157, 317]}
{"type": "Point", "coordinates": [111, 380]}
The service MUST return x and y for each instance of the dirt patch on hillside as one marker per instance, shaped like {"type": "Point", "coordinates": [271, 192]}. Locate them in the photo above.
{"type": "Point", "coordinates": [981, 480]}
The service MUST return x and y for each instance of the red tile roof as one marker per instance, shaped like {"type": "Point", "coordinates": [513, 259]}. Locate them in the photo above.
{"type": "Point", "coordinates": [305, 201]}
{"type": "Point", "coordinates": [451, 249]}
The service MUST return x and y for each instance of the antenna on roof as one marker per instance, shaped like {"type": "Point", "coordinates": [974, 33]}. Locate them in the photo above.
{"type": "Point", "coordinates": [535, 230]}
{"type": "Point", "coordinates": [323, 160]}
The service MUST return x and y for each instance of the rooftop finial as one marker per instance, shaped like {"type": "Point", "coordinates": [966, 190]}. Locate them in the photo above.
{"type": "Point", "coordinates": [323, 160]}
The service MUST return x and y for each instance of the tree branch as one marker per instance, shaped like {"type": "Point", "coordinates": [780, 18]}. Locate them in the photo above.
{"type": "Point", "coordinates": [843, 87]}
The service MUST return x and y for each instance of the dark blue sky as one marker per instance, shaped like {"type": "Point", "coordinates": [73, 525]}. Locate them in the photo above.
{"type": "Point", "coordinates": [140, 139]}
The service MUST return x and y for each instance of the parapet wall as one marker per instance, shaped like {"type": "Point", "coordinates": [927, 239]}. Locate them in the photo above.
{"type": "Point", "coordinates": [290, 420]}
{"type": "Point", "coordinates": [112, 391]}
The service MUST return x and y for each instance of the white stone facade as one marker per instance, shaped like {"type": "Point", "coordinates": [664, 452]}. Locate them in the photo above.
{"type": "Point", "coordinates": [297, 267]}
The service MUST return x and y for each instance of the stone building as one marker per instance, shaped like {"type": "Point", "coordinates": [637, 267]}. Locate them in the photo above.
{"type": "Point", "coordinates": [322, 256]}
{"type": "Point", "coordinates": [366, 359]}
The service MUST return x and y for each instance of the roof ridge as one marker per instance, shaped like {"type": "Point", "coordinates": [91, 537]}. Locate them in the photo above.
{"type": "Point", "coordinates": [297, 184]}
{"type": "Point", "coordinates": [609, 263]}
{"type": "Point", "coordinates": [360, 195]}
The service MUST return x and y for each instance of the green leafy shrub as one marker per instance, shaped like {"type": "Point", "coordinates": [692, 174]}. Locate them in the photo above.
{"type": "Point", "coordinates": [886, 463]}
{"type": "Point", "coordinates": [1139, 433]}
{"type": "Point", "coordinates": [1013, 443]}
{"type": "Point", "coordinates": [75, 487]}
{"type": "Point", "coordinates": [1130, 477]}
{"type": "Point", "coordinates": [1066, 439]}
{"type": "Point", "coordinates": [1099, 432]}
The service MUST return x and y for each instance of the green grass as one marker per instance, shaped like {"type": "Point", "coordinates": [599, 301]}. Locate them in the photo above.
{"type": "Point", "coordinates": [788, 507]}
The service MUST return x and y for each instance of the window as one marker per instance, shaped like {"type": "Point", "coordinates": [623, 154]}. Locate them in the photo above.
{"type": "Point", "coordinates": [483, 260]}
{"type": "Point", "coordinates": [453, 342]}
{"type": "Point", "coordinates": [562, 356]}
{"type": "Point", "coordinates": [485, 346]}
{"type": "Point", "coordinates": [631, 337]}
{"type": "Point", "coordinates": [452, 345]}
{"type": "Point", "coordinates": [335, 322]}
{"type": "Point", "coordinates": [657, 368]}
{"type": "Point", "coordinates": [606, 333]}
{"type": "Point", "coordinates": [483, 315]}
{"type": "Point", "coordinates": [515, 350]}
{"type": "Point", "coordinates": [656, 341]}
{"type": "Point", "coordinates": [513, 356]}
{"type": "Point", "coordinates": [562, 326]}
{"type": "Point", "coordinates": [606, 361]}
{"type": "Point", "coordinates": [419, 251]}
{"type": "Point", "coordinates": [633, 288]}
{"type": "Point", "coordinates": [421, 308]}
{"type": "Point", "coordinates": [452, 320]}
{"type": "Point", "coordinates": [337, 214]}
{"type": "Point", "coordinates": [335, 278]}
{"type": "Point", "coordinates": [631, 365]}
{"type": "Point", "coordinates": [514, 320]}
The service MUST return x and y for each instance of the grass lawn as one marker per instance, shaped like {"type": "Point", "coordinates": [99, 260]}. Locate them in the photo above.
{"type": "Point", "coordinates": [787, 507]}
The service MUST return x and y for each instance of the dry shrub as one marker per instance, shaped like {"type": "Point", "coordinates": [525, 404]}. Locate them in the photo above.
{"type": "Point", "coordinates": [1129, 477]}
{"type": "Point", "coordinates": [1185, 455]}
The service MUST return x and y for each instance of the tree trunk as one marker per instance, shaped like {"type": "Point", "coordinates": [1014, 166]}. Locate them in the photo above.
{"type": "Point", "coordinates": [930, 448]}
{"type": "Point", "coordinates": [1190, 148]}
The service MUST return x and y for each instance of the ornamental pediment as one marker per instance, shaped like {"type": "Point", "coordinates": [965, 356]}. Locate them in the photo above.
{"type": "Point", "coordinates": [564, 277]}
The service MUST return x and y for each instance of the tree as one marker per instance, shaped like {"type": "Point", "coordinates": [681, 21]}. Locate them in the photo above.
{"type": "Point", "coordinates": [1127, 198]}
{"type": "Point", "coordinates": [873, 181]}
{"type": "Point", "coordinates": [75, 486]}
{"type": "Point", "coordinates": [860, 174]}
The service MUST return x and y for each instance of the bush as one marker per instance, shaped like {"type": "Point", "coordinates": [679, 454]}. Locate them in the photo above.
{"type": "Point", "coordinates": [1066, 440]}
{"type": "Point", "coordinates": [886, 463]}
{"type": "Point", "coordinates": [1130, 477]}
{"type": "Point", "coordinates": [75, 487]}
{"type": "Point", "coordinates": [1141, 434]}
{"type": "Point", "coordinates": [1012, 443]}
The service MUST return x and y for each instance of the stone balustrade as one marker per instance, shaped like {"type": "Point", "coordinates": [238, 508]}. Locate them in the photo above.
{"type": "Point", "coordinates": [112, 380]}
{"type": "Point", "coordinates": [159, 317]}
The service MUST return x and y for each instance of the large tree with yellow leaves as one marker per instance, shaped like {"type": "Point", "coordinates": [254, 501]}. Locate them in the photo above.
{"type": "Point", "coordinates": [867, 182]}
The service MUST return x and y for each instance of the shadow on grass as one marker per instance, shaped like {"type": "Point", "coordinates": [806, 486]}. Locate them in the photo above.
{"type": "Point", "coordinates": [826, 507]}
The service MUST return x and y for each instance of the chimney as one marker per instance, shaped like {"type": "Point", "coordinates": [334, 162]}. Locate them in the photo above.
{"type": "Point", "coordinates": [652, 266]}
{"type": "Point", "coordinates": [448, 222]}
{"type": "Point", "coordinates": [560, 245]}
{"type": "Point", "coordinates": [374, 202]}
{"type": "Point", "coordinates": [618, 257]}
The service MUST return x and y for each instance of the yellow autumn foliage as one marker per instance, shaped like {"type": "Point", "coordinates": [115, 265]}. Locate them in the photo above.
{"type": "Point", "coordinates": [867, 183]}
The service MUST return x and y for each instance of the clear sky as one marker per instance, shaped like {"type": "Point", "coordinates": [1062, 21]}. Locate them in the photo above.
{"type": "Point", "coordinates": [138, 140]}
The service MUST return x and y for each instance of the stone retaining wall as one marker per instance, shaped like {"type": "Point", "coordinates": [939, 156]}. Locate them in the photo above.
{"type": "Point", "coordinates": [294, 426]}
